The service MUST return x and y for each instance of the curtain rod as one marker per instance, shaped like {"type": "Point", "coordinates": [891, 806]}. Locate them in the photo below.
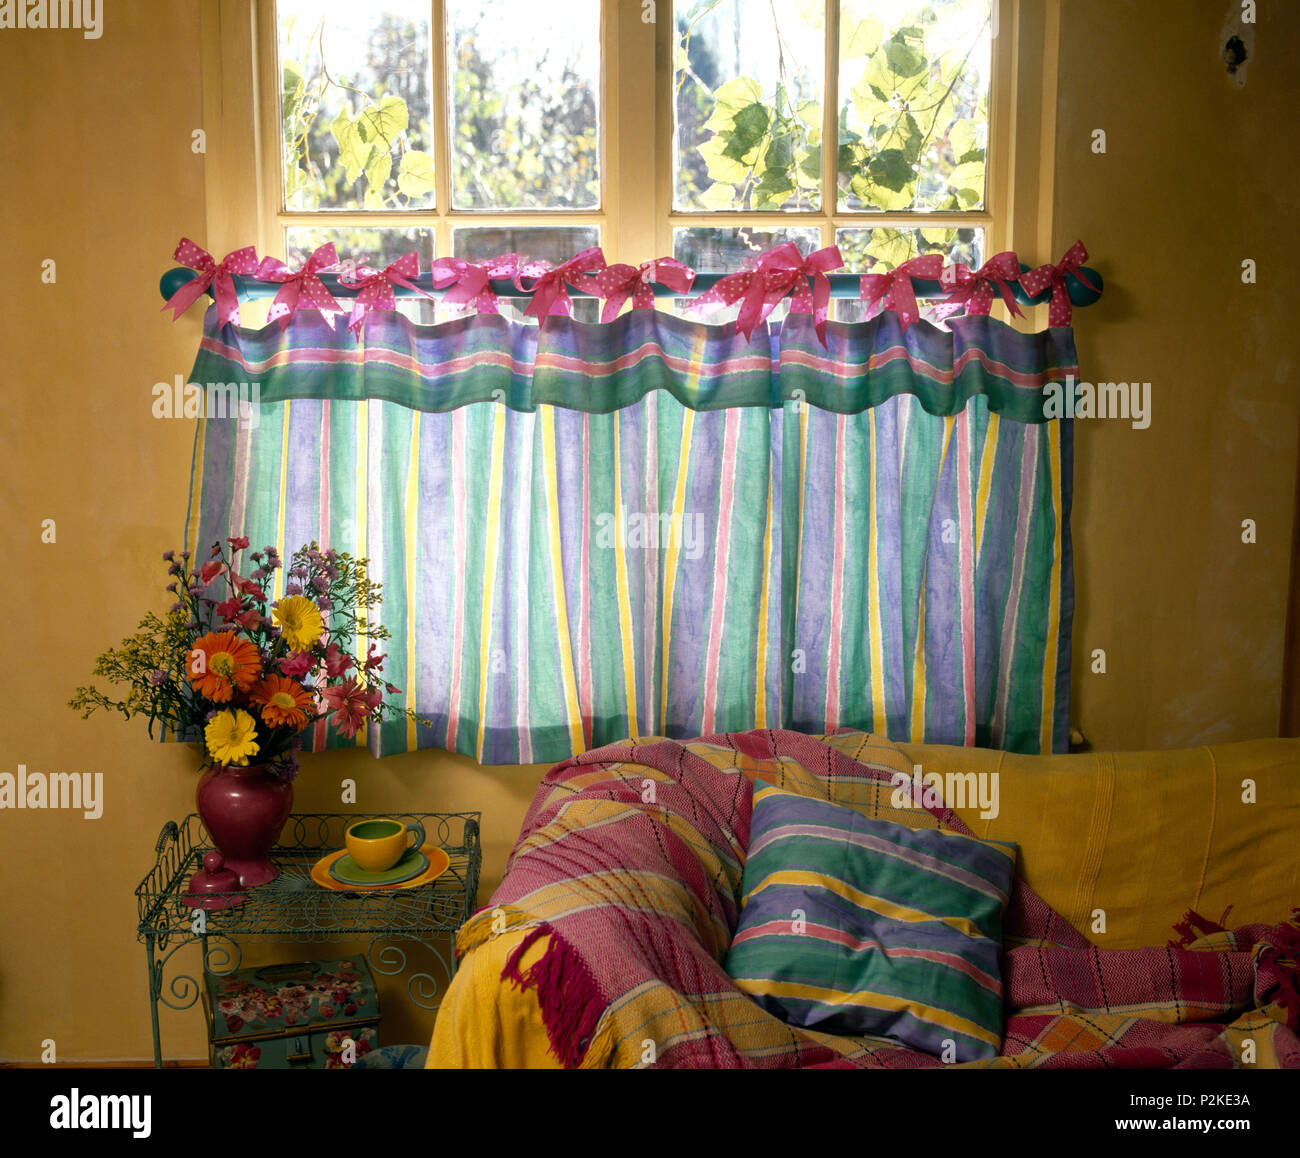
{"type": "Point", "coordinates": [843, 285]}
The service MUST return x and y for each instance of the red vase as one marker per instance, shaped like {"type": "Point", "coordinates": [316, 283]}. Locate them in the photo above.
{"type": "Point", "coordinates": [244, 810]}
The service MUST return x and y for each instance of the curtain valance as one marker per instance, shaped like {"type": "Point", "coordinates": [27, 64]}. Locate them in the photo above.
{"type": "Point", "coordinates": [598, 368]}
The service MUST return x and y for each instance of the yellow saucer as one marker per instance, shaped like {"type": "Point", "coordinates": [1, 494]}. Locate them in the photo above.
{"type": "Point", "coordinates": [438, 862]}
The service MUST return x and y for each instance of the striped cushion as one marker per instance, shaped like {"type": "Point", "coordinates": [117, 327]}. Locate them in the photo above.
{"type": "Point", "coordinates": [863, 927]}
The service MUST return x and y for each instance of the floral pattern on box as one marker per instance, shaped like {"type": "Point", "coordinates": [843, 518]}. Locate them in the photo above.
{"type": "Point", "coordinates": [246, 1055]}
{"type": "Point", "coordinates": [341, 991]}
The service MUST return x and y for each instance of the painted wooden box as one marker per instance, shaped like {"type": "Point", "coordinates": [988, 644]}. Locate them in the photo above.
{"type": "Point", "coordinates": [296, 1016]}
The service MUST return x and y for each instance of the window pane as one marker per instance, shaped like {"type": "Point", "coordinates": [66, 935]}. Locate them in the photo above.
{"type": "Point", "coordinates": [709, 249]}
{"type": "Point", "coordinates": [553, 243]}
{"type": "Point", "coordinates": [880, 250]}
{"type": "Point", "coordinates": [524, 85]}
{"type": "Point", "coordinates": [354, 104]}
{"type": "Point", "coordinates": [914, 83]}
{"type": "Point", "coordinates": [748, 80]}
{"type": "Point", "coordinates": [375, 247]}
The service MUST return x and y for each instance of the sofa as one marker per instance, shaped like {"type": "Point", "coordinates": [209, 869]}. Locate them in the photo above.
{"type": "Point", "coordinates": [605, 942]}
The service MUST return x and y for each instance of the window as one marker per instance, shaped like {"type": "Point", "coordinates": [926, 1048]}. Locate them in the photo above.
{"type": "Point", "coordinates": [900, 87]}
{"type": "Point", "coordinates": [690, 127]}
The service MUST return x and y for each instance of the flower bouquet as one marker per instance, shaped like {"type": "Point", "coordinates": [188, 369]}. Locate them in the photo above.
{"type": "Point", "coordinates": [244, 675]}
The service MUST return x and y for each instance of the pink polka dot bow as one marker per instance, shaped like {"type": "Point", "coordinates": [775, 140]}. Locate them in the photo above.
{"type": "Point", "coordinates": [1035, 281]}
{"type": "Point", "coordinates": [549, 293]}
{"type": "Point", "coordinates": [211, 273]}
{"type": "Point", "coordinates": [895, 289]}
{"type": "Point", "coordinates": [302, 288]}
{"type": "Point", "coordinates": [617, 283]}
{"type": "Point", "coordinates": [471, 284]}
{"type": "Point", "coordinates": [973, 291]}
{"type": "Point", "coordinates": [375, 287]}
{"type": "Point", "coordinates": [779, 271]}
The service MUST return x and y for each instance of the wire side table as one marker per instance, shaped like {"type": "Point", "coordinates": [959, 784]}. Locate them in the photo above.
{"type": "Point", "coordinates": [295, 908]}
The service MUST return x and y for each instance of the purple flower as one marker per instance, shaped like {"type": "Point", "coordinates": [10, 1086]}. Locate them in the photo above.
{"type": "Point", "coordinates": [293, 588]}
{"type": "Point", "coordinates": [168, 556]}
{"type": "Point", "coordinates": [193, 625]}
{"type": "Point", "coordinates": [174, 569]}
{"type": "Point", "coordinates": [185, 554]}
{"type": "Point", "coordinates": [158, 677]}
{"type": "Point", "coordinates": [270, 550]}
{"type": "Point", "coordinates": [171, 587]}
{"type": "Point", "coordinates": [325, 603]}
{"type": "Point", "coordinates": [332, 555]}
{"type": "Point", "coordinates": [259, 574]}
{"type": "Point", "coordinates": [298, 572]}
{"type": "Point", "coordinates": [178, 607]}
{"type": "Point", "coordinates": [320, 583]}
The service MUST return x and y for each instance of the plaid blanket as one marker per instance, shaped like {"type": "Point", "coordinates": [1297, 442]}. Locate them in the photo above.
{"type": "Point", "coordinates": [631, 857]}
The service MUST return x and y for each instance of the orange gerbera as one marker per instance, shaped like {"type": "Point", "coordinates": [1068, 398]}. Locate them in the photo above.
{"type": "Point", "coordinates": [283, 702]}
{"type": "Point", "coordinates": [221, 663]}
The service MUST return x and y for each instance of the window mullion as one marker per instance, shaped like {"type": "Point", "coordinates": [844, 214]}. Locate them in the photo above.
{"type": "Point", "coordinates": [442, 127]}
{"type": "Point", "coordinates": [831, 121]}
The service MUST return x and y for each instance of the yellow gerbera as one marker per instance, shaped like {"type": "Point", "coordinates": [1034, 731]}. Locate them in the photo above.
{"type": "Point", "coordinates": [299, 620]}
{"type": "Point", "coordinates": [229, 735]}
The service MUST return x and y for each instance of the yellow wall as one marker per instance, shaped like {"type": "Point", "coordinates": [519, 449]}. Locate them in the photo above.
{"type": "Point", "coordinates": [100, 177]}
{"type": "Point", "coordinates": [1198, 175]}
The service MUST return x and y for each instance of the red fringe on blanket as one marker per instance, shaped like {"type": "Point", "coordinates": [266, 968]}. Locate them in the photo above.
{"type": "Point", "coordinates": [1277, 964]}
{"type": "Point", "coordinates": [1193, 927]}
{"type": "Point", "coordinates": [567, 994]}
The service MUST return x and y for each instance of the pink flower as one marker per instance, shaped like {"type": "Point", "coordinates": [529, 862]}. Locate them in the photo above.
{"type": "Point", "coordinates": [327, 1011]}
{"type": "Point", "coordinates": [231, 608]}
{"type": "Point", "coordinates": [351, 704]}
{"type": "Point", "coordinates": [298, 664]}
{"type": "Point", "coordinates": [337, 662]}
{"type": "Point", "coordinates": [250, 619]}
{"type": "Point", "coordinates": [210, 570]}
{"type": "Point", "coordinates": [373, 660]}
{"type": "Point", "coordinates": [239, 542]}
{"type": "Point", "coordinates": [248, 587]}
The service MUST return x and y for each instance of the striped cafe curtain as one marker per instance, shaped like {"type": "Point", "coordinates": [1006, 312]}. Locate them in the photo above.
{"type": "Point", "coordinates": [659, 527]}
